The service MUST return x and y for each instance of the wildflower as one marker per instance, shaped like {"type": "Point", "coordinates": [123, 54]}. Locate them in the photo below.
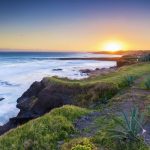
{"type": "Point", "coordinates": [143, 131]}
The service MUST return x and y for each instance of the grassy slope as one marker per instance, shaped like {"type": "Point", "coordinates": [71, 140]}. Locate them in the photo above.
{"type": "Point", "coordinates": [46, 131]}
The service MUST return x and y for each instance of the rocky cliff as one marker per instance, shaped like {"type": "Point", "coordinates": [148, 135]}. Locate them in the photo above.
{"type": "Point", "coordinates": [40, 98]}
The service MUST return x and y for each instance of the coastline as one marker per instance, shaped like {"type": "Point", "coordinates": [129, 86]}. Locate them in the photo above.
{"type": "Point", "coordinates": [27, 112]}
{"type": "Point", "coordinates": [25, 68]}
{"type": "Point", "coordinates": [94, 58]}
{"type": "Point", "coordinates": [22, 103]}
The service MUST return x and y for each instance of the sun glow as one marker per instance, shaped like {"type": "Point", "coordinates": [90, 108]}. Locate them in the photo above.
{"type": "Point", "coordinates": [113, 46]}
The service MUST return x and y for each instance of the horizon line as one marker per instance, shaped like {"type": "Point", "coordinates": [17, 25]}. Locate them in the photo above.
{"type": "Point", "coordinates": [48, 50]}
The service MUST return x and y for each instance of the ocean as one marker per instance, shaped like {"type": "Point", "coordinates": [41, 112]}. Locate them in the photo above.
{"type": "Point", "coordinates": [18, 70]}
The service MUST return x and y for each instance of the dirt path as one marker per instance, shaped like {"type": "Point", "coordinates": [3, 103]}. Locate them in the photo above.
{"type": "Point", "coordinates": [86, 126]}
{"type": "Point", "coordinates": [133, 96]}
{"type": "Point", "coordinates": [124, 101]}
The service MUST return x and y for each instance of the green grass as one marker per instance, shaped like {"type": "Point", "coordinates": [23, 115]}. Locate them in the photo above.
{"type": "Point", "coordinates": [44, 132]}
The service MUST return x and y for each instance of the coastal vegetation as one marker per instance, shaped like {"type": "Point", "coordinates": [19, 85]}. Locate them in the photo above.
{"type": "Point", "coordinates": [114, 133]}
{"type": "Point", "coordinates": [44, 132]}
{"type": "Point", "coordinates": [104, 128]}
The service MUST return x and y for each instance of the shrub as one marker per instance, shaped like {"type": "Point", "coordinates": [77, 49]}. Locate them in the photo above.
{"type": "Point", "coordinates": [79, 144]}
{"type": "Point", "coordinates": [69, 111]}
{"type": "Point", "coordinates": [128, 80]}
{"type": "Point", "coordinates": [100, 92]}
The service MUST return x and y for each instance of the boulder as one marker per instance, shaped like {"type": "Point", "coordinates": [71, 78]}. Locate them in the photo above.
{"type": "Point", "coordinates": [57, 69]}
{"type": "Point", "coordinates": [1, 98]}
{"type": "Point", "coordinates": [85, 70]}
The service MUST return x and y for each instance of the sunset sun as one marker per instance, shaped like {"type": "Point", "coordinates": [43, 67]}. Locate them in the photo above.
{"type": "Point", "coordinates": [113, 46]}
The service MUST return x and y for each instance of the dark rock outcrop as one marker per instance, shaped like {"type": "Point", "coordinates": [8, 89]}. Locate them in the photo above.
{"type": "Point", "coordinates": [43, 96]}
{"type": "Point", "coordinates": [85, 70]}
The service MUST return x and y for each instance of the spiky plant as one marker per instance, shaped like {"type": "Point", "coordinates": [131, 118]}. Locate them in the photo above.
{"type": "Point", "coordinates": [130, 127]}
{"type": "Point", "coordinates": [128, 80]}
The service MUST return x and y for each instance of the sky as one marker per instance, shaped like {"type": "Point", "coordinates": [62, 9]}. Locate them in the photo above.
{"type": "Point", "coordinates": [74, 25]}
